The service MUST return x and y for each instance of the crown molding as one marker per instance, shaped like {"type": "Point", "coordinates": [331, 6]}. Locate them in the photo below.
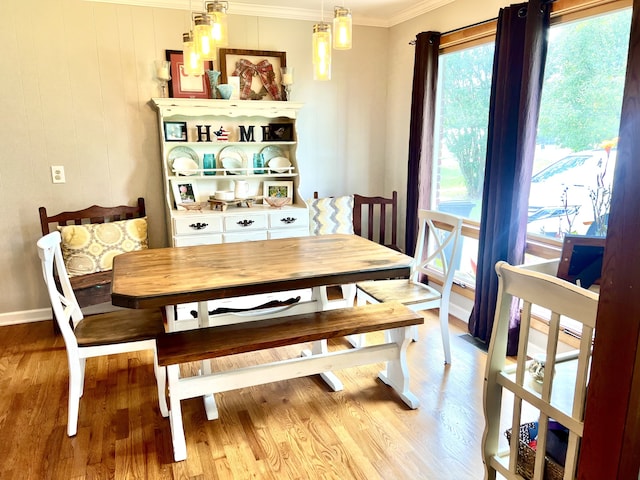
{"type": "Point", "coordinates": [290, 13]}
{"type": "Point", "coordinates": [420, 8]}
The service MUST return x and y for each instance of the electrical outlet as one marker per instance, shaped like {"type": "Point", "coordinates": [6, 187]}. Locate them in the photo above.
{"type": "Point", "coordinates": [57, 174]}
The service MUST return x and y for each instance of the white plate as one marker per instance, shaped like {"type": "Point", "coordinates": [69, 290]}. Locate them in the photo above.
{"type": "Point", "coordinates": [234, 160]}
{"type": "Point", "coordinates": [271, 151]}
{"type": "Point", "coordinates": [279, 164]}
{"type": "Point", "coordinates": [184, 154]}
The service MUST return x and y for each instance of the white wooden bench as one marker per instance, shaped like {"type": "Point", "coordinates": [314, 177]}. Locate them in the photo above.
{"type": "Point", "coordinates": [207, 343]}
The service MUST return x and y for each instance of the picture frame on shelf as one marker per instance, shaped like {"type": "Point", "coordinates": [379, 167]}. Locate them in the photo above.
{"type": "Point", "coordinates": [280, 132]}
{"type": "Point", "coordinates": [184, 191]}
{"type": "Point", "coordinates": [175, 131]}
{"type": "Point", "coordinates": [267, 84]}
{"type": "Point", "coordinates": [278, 189]}
{"type": "Point", "coordinates": [186, 86]}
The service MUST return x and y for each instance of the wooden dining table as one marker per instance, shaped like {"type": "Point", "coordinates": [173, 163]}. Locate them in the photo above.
{"type": "Point", "coordinates": [168, 276]}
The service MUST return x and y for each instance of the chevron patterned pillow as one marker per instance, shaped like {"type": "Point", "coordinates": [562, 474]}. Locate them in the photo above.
{"type": "Point", "coordinates": [331, 215]}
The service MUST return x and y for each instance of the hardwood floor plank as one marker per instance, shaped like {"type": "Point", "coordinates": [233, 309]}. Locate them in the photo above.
{"type": "Point", "coordinates": [294, 429]}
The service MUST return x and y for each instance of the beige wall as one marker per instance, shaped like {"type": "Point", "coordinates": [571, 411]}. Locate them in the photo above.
{"type": "Point", "coordinates": [75, 87]}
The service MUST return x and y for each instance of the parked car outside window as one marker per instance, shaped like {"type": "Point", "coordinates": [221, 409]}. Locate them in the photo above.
{"type": "Point", "coordinates": [572, 195]}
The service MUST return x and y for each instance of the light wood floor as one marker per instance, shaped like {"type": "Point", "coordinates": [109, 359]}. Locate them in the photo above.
{"type": "Point", "coordinates": [295, 429]}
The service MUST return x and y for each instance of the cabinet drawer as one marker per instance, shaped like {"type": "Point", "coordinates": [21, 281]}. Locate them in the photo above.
{"type": "Point", "coordinates": [291, 219]}
{"type": "Point", "coordinates": [243, 223]}
{"type": "Point", "coordinates": [289, 232]}
{"type": "Point", "coordinates": [197, 225]}
{"type": "Point", "coordinates": [244, 236]}
{"type": "Point", "coordinates": [191, 240]}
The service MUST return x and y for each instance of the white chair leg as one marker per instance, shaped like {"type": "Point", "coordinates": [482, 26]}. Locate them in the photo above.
{"type": "Point", "coordinates": [75, 392]}
{"type": "Point", "coordinates": [161, 382]}
{"type": "Point", "coordinates": [414, 333]}
{"type": "Point", "coordinates": [83, 362]}
{"type": "Point", "coordinates": [444, 330]}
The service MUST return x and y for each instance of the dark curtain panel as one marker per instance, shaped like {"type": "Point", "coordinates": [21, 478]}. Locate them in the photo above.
{"type": "Point", "coordinates": [518, 69]}
{"type": "Point", "coordinates": [611, 444]}
{"type": "Point", "coordinates": [423, 107]}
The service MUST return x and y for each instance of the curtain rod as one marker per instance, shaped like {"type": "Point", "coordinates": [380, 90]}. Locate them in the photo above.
{"type": "Point", "coordinates": [413, 42]}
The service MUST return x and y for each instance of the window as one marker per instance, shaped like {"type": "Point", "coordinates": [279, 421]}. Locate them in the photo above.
{"type": "Point", "coordinates": [464, 89]}
{"type": "Point", "coordinates": [579, 120]}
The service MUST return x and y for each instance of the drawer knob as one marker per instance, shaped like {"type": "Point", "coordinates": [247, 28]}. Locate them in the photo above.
{"type": "Point", "coordinates": [245, 223]}
{"type": "Point", "coordinates": [199, 226]}
{"type": "Point", "coordinates": [288, 220]}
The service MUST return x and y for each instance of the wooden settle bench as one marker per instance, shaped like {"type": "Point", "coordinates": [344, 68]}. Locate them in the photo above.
{"type": "Point", "coordinates": [92, 288]}
{"type": "Point", "coordinates": [207, 343]}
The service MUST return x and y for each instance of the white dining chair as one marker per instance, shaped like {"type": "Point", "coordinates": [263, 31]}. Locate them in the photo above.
{"type": "Point", "coordinates": [436, 246]}
{"type": "Point", "coordinates": [95, 335]}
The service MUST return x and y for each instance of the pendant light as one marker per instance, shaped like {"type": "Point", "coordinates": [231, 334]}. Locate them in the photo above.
{"type": "Point", "coordinates": [342, 28]}
{"type": "Point", "coordinates": [192, 63]}
{"type": "Point", "coordinates": [203, 38]}
{"type": "Point", "coordinates": [321, 51]}
{"type": "Point", "coordinates": [217, 12]}
{"type": "Point", "coordinates": [321, 41]}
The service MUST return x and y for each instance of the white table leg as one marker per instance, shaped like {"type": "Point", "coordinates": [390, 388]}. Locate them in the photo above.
{"type": "Point", "coordinates": [203, 315]}
{"type": "Point", "coordinates": [210, 406]}
{"type": "Point", "coordinates": [396, 374]}
{"type": "Point", "coordinates": [170, 312]}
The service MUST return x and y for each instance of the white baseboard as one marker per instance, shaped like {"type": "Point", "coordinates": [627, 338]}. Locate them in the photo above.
{"type": "Point", "coordinates": [460, 307]}
{"type": "Point", "coordinates": [26, 316]}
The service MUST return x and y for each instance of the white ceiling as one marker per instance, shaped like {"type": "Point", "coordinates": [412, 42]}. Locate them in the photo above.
{"type": "Point", "coordinates": [378, 13]}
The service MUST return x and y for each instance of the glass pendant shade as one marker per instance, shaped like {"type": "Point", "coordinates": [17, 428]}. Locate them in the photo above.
{"type": "Point", "coordinates": [342, 28]}
{"type": "Point", "coordinates": [217, 11]}
{"type": "Point", "coordinates": [321, 51]}
{"type": "Point", "coordinates": [192, 63]}
{"type": "Point", "coordinates": [203, 39]}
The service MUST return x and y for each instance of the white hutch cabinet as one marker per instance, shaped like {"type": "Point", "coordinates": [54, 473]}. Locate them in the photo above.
{"type": "Point", "coordinates": [193, 128]}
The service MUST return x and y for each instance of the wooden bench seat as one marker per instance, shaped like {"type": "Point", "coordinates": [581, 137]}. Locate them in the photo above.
{"type": "Point", "coordinates": [207, 343]}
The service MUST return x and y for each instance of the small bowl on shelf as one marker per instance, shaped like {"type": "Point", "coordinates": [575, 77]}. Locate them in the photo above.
{"type": "Point", "coordinates": [225, 90]}
{"type": "Point", "coordinates": [194, 205]}
{"type": "Point", "coordinates": [226, 195]}
{"type": "Point", "coordinates": [277, 202]}
{"type": "Point", "coordinates": [280, 165]}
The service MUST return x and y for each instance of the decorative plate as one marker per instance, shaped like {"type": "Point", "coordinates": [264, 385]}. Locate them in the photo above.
{"type": "Point", "coordinates": [184, 153]}
{"type": "Point", "coordinates": [271, 151]}
{"type": "Point", "coordinates": [234, 160]}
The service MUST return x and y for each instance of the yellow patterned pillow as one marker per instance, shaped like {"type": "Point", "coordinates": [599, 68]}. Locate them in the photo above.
{"type": "Point", "coordinates": [91, 247]}
{"type": "Point", "coordinates": [331, 215]}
